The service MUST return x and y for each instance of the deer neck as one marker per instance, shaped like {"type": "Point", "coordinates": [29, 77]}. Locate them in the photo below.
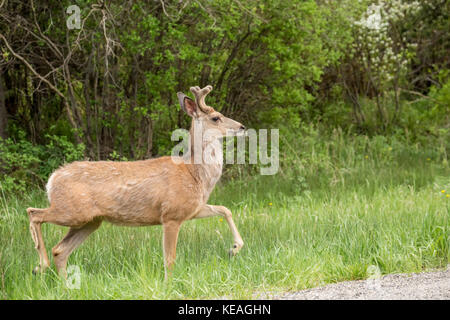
{"type": "Point", "coordinates": [206, 161]}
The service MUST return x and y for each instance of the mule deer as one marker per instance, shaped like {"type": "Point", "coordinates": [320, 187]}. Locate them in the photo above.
{"type": "Point", "coordinates": [157, 191]}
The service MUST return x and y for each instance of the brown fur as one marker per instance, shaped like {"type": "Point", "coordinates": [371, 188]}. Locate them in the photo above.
{"type": "Point", "coordinates": [136, 193]}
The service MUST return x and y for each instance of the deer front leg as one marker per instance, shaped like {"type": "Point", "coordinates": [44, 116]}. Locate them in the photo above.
{"type": "Point", "coordinates": [170, 238]}
{"type": "Point", "coordinates": [212, 211]}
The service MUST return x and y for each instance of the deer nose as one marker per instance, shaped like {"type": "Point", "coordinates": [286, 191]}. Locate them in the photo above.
{"type": "Point", "coordinates": [242, 127]}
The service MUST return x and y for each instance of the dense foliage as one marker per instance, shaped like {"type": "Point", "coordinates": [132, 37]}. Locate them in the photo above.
{"type": "Point", "coordinates": [108, 89]}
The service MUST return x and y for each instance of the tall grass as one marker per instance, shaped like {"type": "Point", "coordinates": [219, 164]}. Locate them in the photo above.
{"type": "Point", "coordinates": [339, 204]}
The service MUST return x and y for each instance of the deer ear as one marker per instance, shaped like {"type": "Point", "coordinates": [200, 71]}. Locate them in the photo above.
{"type": "Point", "coordinates": [187, 104]}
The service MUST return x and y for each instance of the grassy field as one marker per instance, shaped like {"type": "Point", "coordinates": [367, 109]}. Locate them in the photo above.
{"type": "Point", "coordinates": [339, 207]}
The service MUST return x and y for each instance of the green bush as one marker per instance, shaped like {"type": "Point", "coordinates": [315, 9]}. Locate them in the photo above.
{"type": "Point", "coordinates": [23, 164]}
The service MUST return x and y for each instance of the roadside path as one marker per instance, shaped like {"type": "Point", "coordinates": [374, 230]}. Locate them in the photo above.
{"type": "Point", "coordinates": [433, 285]}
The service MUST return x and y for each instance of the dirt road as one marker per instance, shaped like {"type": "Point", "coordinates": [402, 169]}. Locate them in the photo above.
{"type": "Point", "coordinates": [419, 286]}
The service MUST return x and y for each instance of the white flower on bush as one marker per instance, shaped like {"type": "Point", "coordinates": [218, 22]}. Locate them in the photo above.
{"type": "Point", "coordinates": [380, 53]}
{"type": "Point", "coordinates": [372, 19]}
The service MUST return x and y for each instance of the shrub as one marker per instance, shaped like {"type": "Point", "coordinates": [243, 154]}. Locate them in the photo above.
{"type": "Point", "coordinates": [23, 164]}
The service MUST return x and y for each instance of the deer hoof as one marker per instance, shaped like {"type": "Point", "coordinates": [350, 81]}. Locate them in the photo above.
{"type": "Point", "coordinates": [233, 251]}
{"type": "Point", "coordinates": [39, 269]}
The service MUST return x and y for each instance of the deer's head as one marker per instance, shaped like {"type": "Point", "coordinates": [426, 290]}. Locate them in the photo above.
{"type": "Point", "coordinates": [211, 123]}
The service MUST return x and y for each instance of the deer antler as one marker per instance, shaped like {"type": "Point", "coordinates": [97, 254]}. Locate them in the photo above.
{"type": "Point", "coordinates": [200, 95]}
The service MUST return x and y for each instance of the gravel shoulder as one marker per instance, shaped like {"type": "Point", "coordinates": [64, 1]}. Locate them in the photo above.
{"type": "Point", "coordinates": [433, 285]}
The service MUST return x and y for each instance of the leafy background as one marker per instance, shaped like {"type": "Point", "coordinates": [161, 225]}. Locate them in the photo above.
{"type": "Point", "coordinates": [107, 90]}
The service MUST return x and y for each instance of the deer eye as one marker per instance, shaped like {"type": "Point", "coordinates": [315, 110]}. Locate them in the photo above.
{"type": "Point", "coordinates": [215, 119]}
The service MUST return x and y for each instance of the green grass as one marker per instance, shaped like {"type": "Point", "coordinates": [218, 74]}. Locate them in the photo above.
{"type": "Point", "coordinates": [336, 209]}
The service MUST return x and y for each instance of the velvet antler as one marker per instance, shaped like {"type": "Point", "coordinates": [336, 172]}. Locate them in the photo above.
{"type": "Point", "coordinates": [200, 95]}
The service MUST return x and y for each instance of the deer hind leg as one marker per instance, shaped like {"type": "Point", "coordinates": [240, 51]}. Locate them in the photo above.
{"type": "Point", "coordinates": [70, 242]}
{"type": "Point", "coordinates": [212, 211]}
{"type": "Point", "coordinates": [170, 238]}
{"type": "Point", "coordinates": [36, 220]}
